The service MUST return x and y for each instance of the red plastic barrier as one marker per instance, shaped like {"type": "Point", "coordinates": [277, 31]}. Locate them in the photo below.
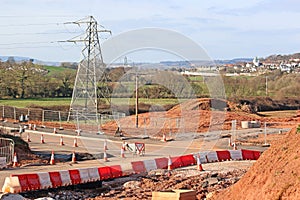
{"type": "Point", "coordinates": [247, 154]}
{"type": "Point", "coordinates": [105, 173]}
{"type": "Point", "coordinates": [176, 162]}
{"type": "Point", "coordinates": [75, 176]}
{"type": "Point", "coordinates": [116, 171]}
{"type": "Point", "coordinates": [33, 181]}
{"type": "Point", "coordinates": [23, 182]}
{"type": "Point", "coordinates": [256, 155]}
{"type": "Point", "coordinates": [187, 160]}
{"type": "Point", "coordinates": [138, 167]}
{"type": "Point", "coordinates": [223, 155]}
{"type": "Point", "coordinates": [55, 179]}
{"type": "Point", "coordinates": [161, 163]}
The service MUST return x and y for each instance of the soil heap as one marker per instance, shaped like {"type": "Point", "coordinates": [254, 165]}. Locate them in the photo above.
{"type": "Point", "coordinates": [276, 175]}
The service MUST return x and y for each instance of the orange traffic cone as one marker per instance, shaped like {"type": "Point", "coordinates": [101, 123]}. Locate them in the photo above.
{"type": "Point", "coordinates": [28, 138]}
{"type": "Point", "coordinates": [199, 165]}
{"type": "Point", "coordinates": [34, 127]}
{"type": "Point", "coordinates": [74, 157]}
{"type": "Point", "coordinates": [54, 130]}
{"type": "Point", "coordinates": [164, 139]}
{"type": "Point", "coordinates": [105, 156]}
{"type": "Point", "coordinates": [124, 146]}
{"type": "Point", "coordinates": [105, 145]}
{"type": "Point", "coordinates": [229, 142]}
{"type": "Point", "coordinates": [42, 139]}
{"type": "Point", "coordinates": [15, 160]}
{"type": "Point", "coordinates": [61, 141]}
{"type": "Point", "coordinates": [234, 146]}
{"type": "Point", "coordinates": [122, 153]}
{"type": "Point", "coordinates": [75, 142]}
{"type": "Point", "coordinates": [52, 161]}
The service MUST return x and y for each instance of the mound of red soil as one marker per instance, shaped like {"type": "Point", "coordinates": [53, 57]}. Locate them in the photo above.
{"type": "Point", "coordinates": [276, 174]}
{"type": "Point", "coordinates": [197, 115]}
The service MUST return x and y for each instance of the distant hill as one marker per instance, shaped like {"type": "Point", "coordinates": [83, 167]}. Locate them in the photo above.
{"type": "Point", "coordinates": [35, 61]}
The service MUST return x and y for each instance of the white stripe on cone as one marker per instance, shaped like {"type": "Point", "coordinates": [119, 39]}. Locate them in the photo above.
{"type": "Point", "coordinates": [42, 139]}
{"type": "Point", "coordinates": [74, 157]}
{"type": "Point", "coordinates": [75, 142]}
{"type": "Point", "coordinates": [105, 156]}
{"type": "Point", "coordinates": [15, 160]}
{"type": "Point", "coordinates": [122, 153]}
{"type": "Point", "coordinates": [61, 141]}
{"type": "Point", "coordinates": [52, 160]}
{"type": "Point", "coordinates": [199, 165]}
{"type": "Point", "coordinates": [105, 145]}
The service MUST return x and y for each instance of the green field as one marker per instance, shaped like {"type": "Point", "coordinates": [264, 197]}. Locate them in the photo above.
{"type": "Point", "coordinates": [44, 102]}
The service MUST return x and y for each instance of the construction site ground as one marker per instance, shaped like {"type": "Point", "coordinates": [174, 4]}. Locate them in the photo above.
{"type": "Point", "coordinates": [207, 136]}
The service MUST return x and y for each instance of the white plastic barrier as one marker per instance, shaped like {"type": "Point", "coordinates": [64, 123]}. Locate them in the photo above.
{"type": "Point", "coordinates": [44, 180]}
{"type": "Point", "coordinates": [94, 174]}
{"type": "Point", "coordinates": [12, 185]}
{"type": "Point", "coordinates": [84, 175]}
{"type": "Point", "coordinates": [65, 178]}
{"type": "Point", "coordinates": [212, 156]}
{"type": "Point", "coordinates": [236, 154]}
{"type": "Point", "coordinates": [202, 156]}
{"type": "Point", "coordinates": [150, 165]}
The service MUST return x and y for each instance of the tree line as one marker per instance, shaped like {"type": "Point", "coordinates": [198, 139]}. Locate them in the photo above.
{"type": "Point", "coordinates": [29, 80]}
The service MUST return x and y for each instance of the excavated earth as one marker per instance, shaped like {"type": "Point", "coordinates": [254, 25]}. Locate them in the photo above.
{"type": "Point", "coordinates": [276, 174]}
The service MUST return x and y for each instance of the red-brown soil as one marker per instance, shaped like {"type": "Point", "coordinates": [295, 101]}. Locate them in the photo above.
{"type": "Point", "coordinates": [276, 174]}
{"type": "Point", "coordinates": [197, 116]}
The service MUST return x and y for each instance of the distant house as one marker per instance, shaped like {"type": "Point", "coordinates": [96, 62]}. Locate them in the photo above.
{"type": "Point", "coordinates": [285, 68]}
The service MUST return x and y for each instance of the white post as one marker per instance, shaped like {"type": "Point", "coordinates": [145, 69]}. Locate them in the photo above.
{"type": "Point", "coordinates": [15, 114]}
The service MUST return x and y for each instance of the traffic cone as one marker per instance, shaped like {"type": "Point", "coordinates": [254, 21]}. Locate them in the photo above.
{"type": "Point", "coordinates": [164, 139]}
{"type": "Point", "coordinates": [34, 127]}
{"type": "Point", "coordinates": [169, 163]}
{"type": "Point", "coordinates": [42, 139]}
{"type": "Point", "coordinates": [229, 142]}
{"type": "Point", "coordinates": [75, 142]}
{"type": "Point", "coordinates": [74, 157]}
{"type": "Point", "coordinates": [61, 141]}
{"type": "Point", "coordinates": [30, 126]}
{"type": "Point", "coordinates": [15, 160]}
{"type": "Point", "coordinates": [52, 161]}
{"type": "Point", "coordinates": [122, 153]}
{"type": "Point", "coordinates": [123, 146]}
{"type": "Point", "coordinates": [234, 146]}
{"type": "Point", "coordinates": [28, 138]}
{"type": "Point", "coordinates": [54, 130]}
{"type": "Point", "coordinates": [199, 165]}
{"type": "Point", "coordinates": [105, 156]}
{"type": "Point", "coordinates": [105, 145]}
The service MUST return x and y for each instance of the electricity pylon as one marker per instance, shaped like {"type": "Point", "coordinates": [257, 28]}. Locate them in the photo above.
{"type": "Point", "coordinates": [90, 72]}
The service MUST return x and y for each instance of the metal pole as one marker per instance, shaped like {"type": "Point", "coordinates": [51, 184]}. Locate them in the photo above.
{"type": "Point", "coordinates": [136, 102]}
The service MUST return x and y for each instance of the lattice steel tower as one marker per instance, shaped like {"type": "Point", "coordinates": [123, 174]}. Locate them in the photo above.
{"type": "Point", "coordinates": [90, 73]}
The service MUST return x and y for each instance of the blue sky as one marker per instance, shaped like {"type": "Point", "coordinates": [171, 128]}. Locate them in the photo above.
{"type": "Point", "coordinates": [226, 29]}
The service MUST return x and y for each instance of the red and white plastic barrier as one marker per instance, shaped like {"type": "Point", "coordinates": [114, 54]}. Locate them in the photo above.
{"type": "Point", "coordinates": [43, 180]}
